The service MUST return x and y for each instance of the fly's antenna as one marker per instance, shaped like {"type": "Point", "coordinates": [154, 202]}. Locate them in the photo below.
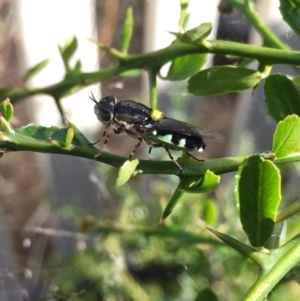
{"type": "Point", "coordinates": [93, 98]}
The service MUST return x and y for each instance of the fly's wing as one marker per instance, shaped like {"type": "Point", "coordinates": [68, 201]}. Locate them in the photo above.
{"type": "Point", "coordinates": [168, 125]}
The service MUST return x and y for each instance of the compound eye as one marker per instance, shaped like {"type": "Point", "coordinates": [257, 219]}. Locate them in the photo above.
{"type": "Point", "coordinates": [105, 108]}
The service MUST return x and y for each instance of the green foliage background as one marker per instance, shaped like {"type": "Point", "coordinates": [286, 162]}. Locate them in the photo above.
{"type": "Point", "coordinates": [243, 254]}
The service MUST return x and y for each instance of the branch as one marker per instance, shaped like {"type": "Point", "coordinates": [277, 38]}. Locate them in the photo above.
{"type": "Point", "coordinates": [37, 139]}
{"type": "Point", "coordinates": [155, 60]}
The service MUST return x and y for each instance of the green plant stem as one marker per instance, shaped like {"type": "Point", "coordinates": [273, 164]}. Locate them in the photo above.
{"type": "Point", "coordinates": [153, 88]}
{"type": "Point", "coordinates": [290, 210]}
{"type": "Point", "coordinates": [59, 107]}
{"type": "Point", "coordinates": [163, 232]}
{"type": "Point", "coordinates": [18, 142]}
{"type": "Point", "coordinates": [276, 265]}
{"type": "Point", "coordinates": [266, 54]}
{"type": "Point", "coordinates": [247, 10]}
{"type": "Point", "coordinates": [158, 58]}
{"type": "Point", "coordinates": [218, 166]}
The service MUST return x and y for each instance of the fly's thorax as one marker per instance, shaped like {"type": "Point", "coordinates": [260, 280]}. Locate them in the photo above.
{"type": "Point", "coordinates": [132, 112]}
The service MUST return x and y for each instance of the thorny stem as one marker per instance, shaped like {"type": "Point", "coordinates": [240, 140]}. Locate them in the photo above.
{"type": "Point", "coordinates": [158, 59]}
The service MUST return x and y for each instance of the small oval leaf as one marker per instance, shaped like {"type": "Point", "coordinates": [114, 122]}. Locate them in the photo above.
{"type": "Point", "coordinates": [222, 80]}
{"type": "Point", "coordinates": [5, 127]}
{"type": "Point", "coordinates": [127, 30]}
{"type": "Point", "coordinates": [184, 15]}
{"type": "Point", "coordinates": [205, 183]}
{"type": "Point", "coordinates": [6, 109]}
{"type": "Point", "coordinates": [82, 140]}
{"type": "Point", "coordinates": [34, 70]}
{"type": "Point", "coordinates": [258, 194]}
{"type": "Point", "coordinates": [126, 171]}
{"type": "Point", "coordinates": [186, 66]}
{"type": "Point", "coordinates": [281, 97]}
{"type": "Point", "coordinates": [210, 212]}
{"type": "Point", "coordinates": [67, 50]}
{"type": "Point", "coordinates": [286, 137]}
{"type": "Point", "coordinates": [290, 11]}
{"type": "Point", "coordinates": [43, 133]}
{"type": "Point", "coordinates": [69, 137]}
{"type": "Point", "coordinates": [197, 34]}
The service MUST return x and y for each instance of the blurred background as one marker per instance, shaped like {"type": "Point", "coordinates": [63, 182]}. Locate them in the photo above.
{"type": "Point", "coordinates": [47, 200]}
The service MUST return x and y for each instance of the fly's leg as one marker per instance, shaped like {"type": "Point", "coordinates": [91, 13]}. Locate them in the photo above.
{"type": "Point", "coordinates": [105, 135]}
{"type": "Point", "coordinates": [106, 140]}
{"type": "Point", "coordinates": [149, 153]}
{"type": "Point", "coordinates": [135, 148]}
{"type": "Point", "coordinates": [180, 168]}
{"type": "Point", "coordinates": [193, 157]}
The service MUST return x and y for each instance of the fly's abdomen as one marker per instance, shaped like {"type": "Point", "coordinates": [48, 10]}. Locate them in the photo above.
{"type": "Point", "coordinates": [176, 141]}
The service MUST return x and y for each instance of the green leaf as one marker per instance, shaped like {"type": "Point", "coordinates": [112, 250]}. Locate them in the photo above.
{"type": "Point", "coordinates": [69, 137]}
{"type": "Point", "coordinates": [196, 35]}
{"type": "Point", "coordinates": [198, 184]}
{"type": "Point", "coordinates": [78, 135]}
{"type": "Point", "coordinates": [34, 70]}
{"type": "Point", "coordinates": [67, 51]}
{"type": "Point", "coordinates": [44, 133]}
{"type": "Point", "coordinates": [290, 11]}
{"type": "Point", "coordinates": [223, 79]}
{"type": "Point", "coordinates": [6, 109]}
{"type": "Point", "coordinates": [257, 191]}
{"type": "Point", "coordinates": [186, 66]}
{"type": "Point", "coordinates": [126, 171]}
{"type": "Point", "coordinates": [170, 206]}
{"type": "Point", "coordinates": [184, 15]}
{"type": "Point", "coordinates": [209, 212]}
{"type": "Point", "coordinates": [281, 97]}
{"type": "Point", "coordinates": [206, 294]}
{"type": "Point", "coordinates": [286, 137]}
{"type": "Point", "coordinates": [127, 30]}
{"type": "Point", "coordinates": [5, 127]}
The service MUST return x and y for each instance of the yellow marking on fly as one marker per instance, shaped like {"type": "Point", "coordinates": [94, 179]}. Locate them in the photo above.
{"type": "Point", "coordinates": [156, 114]}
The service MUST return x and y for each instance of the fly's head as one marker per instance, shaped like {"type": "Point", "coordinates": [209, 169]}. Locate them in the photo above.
{"type": "Point", "coordinates": [105, 108]}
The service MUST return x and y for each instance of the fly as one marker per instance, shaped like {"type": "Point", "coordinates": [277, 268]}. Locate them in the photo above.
{"type": "Point", "coordinates": [150, 125]}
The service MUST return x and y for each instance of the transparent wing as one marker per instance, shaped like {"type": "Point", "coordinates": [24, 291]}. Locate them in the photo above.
{"type": "Point", "coordinates": [169, 125]}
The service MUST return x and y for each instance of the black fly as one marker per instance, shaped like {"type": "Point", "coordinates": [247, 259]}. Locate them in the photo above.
{"type": "Point", "coordinates": [150, 125]}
